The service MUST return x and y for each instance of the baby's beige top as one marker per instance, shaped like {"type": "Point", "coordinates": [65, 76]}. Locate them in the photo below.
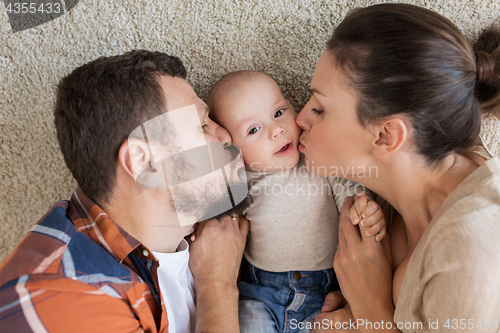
{"type": "Point", "coordinates": [294, 219]}
{"type": "Point", "coordinates": [454, 272]}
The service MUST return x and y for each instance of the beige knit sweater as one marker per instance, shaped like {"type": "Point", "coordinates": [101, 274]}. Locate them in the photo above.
{"type": "Point", "coordinates": [452, 282]}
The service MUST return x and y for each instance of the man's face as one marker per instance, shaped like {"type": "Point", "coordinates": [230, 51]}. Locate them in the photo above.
{"type": "Point", "coordinates": [194, 164]}
{"type": "Point", "coordinates": [178, 94]}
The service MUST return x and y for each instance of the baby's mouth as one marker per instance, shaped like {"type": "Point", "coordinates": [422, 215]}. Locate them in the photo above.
{"type": "Point", "coordinates": [284, 148]}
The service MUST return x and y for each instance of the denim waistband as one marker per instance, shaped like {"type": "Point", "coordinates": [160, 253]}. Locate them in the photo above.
{"type": "Point", "coordinates": [291, 278]}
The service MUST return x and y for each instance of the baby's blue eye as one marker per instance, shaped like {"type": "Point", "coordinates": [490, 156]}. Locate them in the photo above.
{"type": "Point", "coordinates": [254, 130]}
{"type": "Point", "coordinates": [278, 113]}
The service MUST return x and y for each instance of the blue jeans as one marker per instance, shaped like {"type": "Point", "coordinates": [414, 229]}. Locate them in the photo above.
{"type": "Point", "coordinates": [282, 301]}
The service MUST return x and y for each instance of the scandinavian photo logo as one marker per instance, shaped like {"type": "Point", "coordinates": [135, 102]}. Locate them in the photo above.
{"type": "Point", "coordinates": [26, 14]}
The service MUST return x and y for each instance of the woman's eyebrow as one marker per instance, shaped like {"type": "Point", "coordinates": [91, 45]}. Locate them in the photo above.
{"type": "Point", "coordinates": [315, 91]}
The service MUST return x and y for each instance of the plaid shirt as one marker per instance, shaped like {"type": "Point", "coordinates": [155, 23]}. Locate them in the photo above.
{"type": "Point", "coordinates": [77, 271]}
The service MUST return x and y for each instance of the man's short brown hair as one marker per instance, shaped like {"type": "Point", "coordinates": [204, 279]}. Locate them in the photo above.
{"type": "Point", "coordinates": [99, 104]}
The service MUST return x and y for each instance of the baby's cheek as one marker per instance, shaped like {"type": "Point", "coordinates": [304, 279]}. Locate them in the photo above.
{"type": "Point", "coordinates": [245, 152]}
{"type": "Point", "coordinates": [249, 156]}
{"type": "Point", "coordinates": [295, 128]}
{"type": "Point", "coordinates": [241, 146]}
{"type": "Point", "coordinates": [253, 158]}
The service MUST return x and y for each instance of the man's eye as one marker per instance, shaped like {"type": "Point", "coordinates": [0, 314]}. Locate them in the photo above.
{"type": "Point", "coordinates": [203, 126]}
{"type": "Point", "coordinates": [278, 113]}
{"type": "Point", "coordinates": [254, 130]}
{"type": "Point", "coordinates": [317, 112]}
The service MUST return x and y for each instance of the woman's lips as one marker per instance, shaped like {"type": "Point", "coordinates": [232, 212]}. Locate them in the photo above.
{"type": "Point", "coordinates": [301, 146]}
{"type": "Point", "coordinates": [285, 150]}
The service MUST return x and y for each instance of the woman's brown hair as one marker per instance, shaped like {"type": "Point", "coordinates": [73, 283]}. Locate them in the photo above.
{"type": "Point", "coordinates": [403, 59]}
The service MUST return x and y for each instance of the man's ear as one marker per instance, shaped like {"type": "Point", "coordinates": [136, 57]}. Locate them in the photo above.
{"type": "Point", "coordinates": [134, 157]}
{"type": "Point", "coordinates": [390, 135]}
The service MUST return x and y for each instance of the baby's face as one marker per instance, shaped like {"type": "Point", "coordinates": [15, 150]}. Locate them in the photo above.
{"type": "Point", "coordinates": [262, 123]}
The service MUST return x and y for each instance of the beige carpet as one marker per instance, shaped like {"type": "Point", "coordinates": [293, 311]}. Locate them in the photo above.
{"type": "Point", "coordinates": [281, 38]}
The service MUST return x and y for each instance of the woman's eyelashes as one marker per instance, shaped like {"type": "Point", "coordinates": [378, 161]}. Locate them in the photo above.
{"type": "Point", "coordinates": [317, 112]}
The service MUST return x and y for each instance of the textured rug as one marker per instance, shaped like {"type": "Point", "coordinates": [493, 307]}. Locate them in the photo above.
{"type": "Point", "coordinates": [281, 38]}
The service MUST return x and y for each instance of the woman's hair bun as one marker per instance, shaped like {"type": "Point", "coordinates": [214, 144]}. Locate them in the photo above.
{"type": "Point", "coordinates": [487, 49]}
{"type": "Point", "coordinates": [485, 63]}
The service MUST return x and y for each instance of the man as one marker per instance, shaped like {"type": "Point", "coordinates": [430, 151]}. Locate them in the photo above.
{"type": "Point", "coordinates": [91, 263]}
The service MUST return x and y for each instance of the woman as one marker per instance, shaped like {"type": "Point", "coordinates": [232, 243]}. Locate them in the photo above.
{"type": "Point", "coordinates": [396, 105]}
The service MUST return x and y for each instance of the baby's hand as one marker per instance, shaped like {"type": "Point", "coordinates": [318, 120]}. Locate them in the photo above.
{"type": "Point", "coordinates": [369, 215]}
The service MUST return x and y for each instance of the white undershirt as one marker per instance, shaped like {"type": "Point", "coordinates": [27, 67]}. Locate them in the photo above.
{"type": "Point", "coordinates": [177, 289]}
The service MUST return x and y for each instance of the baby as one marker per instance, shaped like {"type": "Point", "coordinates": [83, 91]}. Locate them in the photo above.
{"type": "Point", "coordinates": [294, 218]}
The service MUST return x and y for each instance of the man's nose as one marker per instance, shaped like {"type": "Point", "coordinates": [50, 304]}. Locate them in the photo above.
{"type": "Point", "coordinates": [217, 131]}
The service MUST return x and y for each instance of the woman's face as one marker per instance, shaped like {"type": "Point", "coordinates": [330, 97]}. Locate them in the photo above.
{"type": "Point", "coordinates": [333, 141]}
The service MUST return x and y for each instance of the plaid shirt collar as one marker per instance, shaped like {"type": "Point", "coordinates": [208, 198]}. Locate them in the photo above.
{"type": "Point", "coordinates": [90, 219]}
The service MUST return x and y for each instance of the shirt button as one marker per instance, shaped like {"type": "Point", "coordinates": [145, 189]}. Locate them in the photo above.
{"type": "Point", "coordinates": [297, 276]}
{"type": "Point", "coordinates": [145, 253]}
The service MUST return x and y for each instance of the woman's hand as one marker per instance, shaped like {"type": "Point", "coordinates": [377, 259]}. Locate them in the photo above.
{"type": "Point", "coordinates": [333, 301]}
{"type": "Point", "coordinates": [363, 271]}
{"type": "Point", "coordinates": [340, 320]}
{"type": "Point", "coordinates": [334, 313]}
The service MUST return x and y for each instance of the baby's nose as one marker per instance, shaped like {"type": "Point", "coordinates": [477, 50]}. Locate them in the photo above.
{"type": "Point", "coordinates": [278, 131]}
